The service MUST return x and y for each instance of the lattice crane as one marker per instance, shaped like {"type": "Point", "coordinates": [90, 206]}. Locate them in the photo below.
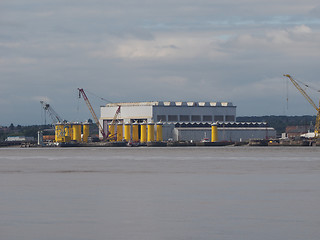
{"type": "Point", "coordinates": [104, 135]}
{"type": "Point", "coordinates": [85, 98]}
{"type": "Point", "coordinates": [316, 128]}
{"type": "Point", "coordinates": [54, 116]}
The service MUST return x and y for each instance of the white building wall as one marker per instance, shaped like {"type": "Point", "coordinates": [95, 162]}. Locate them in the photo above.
{"type": "Point", "coordinates": [150, 110]}
{"type": "Point", "coordinates": [127, 112]}
{"type": "Point", "coordinates": [227, 134]}
{"type": "Point", "coordinates": [196, 110]}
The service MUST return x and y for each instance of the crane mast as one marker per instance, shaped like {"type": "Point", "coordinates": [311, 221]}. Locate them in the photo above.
{"type": "Point", "coordinates": [81, 92]}
{"type": "Point", "coordinates": [113, 122]}
{"type": "Point", "coordinates": [54, 116]}
{"type": "Point", "coordinates": [317, 125]}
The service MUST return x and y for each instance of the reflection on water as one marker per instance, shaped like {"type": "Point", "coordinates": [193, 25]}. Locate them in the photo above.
{"type": "Point", "coordinates": [160, 193]}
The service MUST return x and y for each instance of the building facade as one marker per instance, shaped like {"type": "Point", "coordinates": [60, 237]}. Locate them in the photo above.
{"type": "Point", "coordinates": [169, 112]}
{"type": "Point", "coordinates": [186, 121]}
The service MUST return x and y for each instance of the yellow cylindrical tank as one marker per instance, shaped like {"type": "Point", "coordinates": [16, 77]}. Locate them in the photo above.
{"type": "Point", "coordinates": [214, 133]}
{"type": "Point", "coordinates": [76, 132]}
{"type": "Point", "coordinates": [135, 132]}
{"type": "Point", "coordinates": [67, 132]}
{"type": "Point", "coordinates": [86, 129]}
{"type": "Point", "coordinates": [59, 132]}
{"type": "Point", "coordinates": [127, 132]}
{"type": "Point", "coordinates": [56, 129]}
{"type": "Point", "coordinates": [150, 132]}
{"type": "Point", "coordinates": [143, 132]}
{"type": "Point", "coordinates": [112, 132]}
{"type": "Point", "coordinates": [67, 129]}
{"type": "Point", "coordinates": [119, 132]}
{"type": "Point", "coordinates": [159, 132]}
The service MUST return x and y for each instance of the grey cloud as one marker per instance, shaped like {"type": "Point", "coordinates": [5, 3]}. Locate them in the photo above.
{"type": "Point", "coordinates": [153, 50]}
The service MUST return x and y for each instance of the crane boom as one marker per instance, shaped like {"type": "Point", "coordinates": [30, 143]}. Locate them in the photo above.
{"type": "Point", "coordinates": [317, 125]}
{"type": "Point", "coordinates": [115, 116]}
{"type": "Point", "coordinates": [54, 116]}
{"type": "Point", "coordinates": [113, 122]}
{"type": "Point", "coordinates": [81, 92]}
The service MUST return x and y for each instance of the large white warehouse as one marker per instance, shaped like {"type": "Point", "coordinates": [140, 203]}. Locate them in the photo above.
{"type": "Point", "coordinates": [183, 121]}
{"type": "Point", "coordinates": [170, 112]}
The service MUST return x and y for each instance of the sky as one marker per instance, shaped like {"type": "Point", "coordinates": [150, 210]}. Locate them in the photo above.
{"type": "Point", "coordinates": [139, 50]}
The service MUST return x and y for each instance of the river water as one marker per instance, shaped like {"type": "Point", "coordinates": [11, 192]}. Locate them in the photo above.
{"type": "Point", "coordinates": [196, 193]}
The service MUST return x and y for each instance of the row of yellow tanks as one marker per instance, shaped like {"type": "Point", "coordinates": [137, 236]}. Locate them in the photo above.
{"type": "Point", "coordinates": [131, 132]}
{"type": "Point", "coordinates": [147, 132]}
{"type": "Point", "coordinates": [67, 132]}
{"type": "Point", "coordinates": [79, 132]}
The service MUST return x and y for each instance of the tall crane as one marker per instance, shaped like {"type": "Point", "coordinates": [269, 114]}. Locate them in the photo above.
{"type": "Point", "coordinates": [54, 116]}
{"type": "Point", "coordinates": [104, 135]}
{"type": "Point", "coordinates": [316, 128]}
{"type": "Point", "coordinates": [113, 122]}
{"type": "Point", "coordinates": [85, 98]}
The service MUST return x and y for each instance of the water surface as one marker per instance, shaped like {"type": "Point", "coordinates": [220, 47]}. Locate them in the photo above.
{"type": "Point", "coordinates": [160, 193]}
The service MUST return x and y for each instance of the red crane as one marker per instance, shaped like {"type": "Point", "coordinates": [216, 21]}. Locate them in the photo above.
{"type": "Point", "coordinates": [104, 135]}
{"type": "Point", "coordinates": [81, 92]}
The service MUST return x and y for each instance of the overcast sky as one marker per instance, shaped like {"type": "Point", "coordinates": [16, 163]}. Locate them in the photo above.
{"type": "Point", "coordinates": [138, 50]}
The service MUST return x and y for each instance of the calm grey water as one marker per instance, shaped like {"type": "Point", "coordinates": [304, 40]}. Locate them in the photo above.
{"type": "Point", "coordinates": [160, 193]}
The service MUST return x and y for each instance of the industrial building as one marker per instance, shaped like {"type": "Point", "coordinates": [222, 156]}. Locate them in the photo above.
{"type": "Point", "coordinates": [185, 121]}
{"type": "Point", "coordinates": [170, 112]}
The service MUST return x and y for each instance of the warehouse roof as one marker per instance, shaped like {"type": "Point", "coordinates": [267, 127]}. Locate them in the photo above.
{"type": "Point", "coordinates": [219, 124]}
{"type": "Point", "coordinates": [173, 104]}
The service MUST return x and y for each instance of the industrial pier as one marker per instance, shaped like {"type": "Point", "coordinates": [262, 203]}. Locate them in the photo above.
{"type": "Point", "coordinates": [167, 123]}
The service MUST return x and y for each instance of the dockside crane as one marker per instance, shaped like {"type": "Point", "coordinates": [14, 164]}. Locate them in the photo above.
{"type": "Point", "coordinates": [58, 121]}
{"type": "Point", "coordinates": [300, 89]}
{"type": "Point", "coordinates": [104, 135]}
{"type": "Point", "coordinates": [85, 98]}
{"type": "Point", "coordinates": [52, 113]}
{"type": "Point", "coordinates": [113, 122]}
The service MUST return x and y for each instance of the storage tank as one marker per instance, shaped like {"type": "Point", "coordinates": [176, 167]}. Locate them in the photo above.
{"type": "Point", "coordinates": [214, 132]}
{"type": "Point", "coordinates": [159, 132]}
{"type": "Point", "coordinates": [127, 132]}
{"type": "Point", "coordinates": [76, 132]}
{"type": "Point", "coordinates": [59, 132]}
{"type": "Point", "coordinates": [150, 132]}
{"type": "Point", "coordinates": [68, 132]}
{"type": "Point", "coordinates": [143, 132]}
{"type": "Point", "coordinates": [119, 132]}
{"type": "Point", "coordinates": [111, 132]}
{"type": "Point", "coordinates": [68, 129]}
{"type": "Point", "coordinates": [86, 129]}
{"type": "Point", "coordinates": [40, 138]}
{"type": "Point", "coordinates": [135, 132]}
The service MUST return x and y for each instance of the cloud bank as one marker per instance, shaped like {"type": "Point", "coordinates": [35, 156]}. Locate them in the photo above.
{"type": "Point", "coordinates": [149, 50]}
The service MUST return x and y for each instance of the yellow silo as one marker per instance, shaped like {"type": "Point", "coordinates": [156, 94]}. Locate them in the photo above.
{"type": "Point", "coordinates": [143, 132]}
{"type": "Point", "coordinates": [59, 132]}
{"type": "Point", "coordinates": [85, 135]}
{"type": "Point", "coordinates": [135, 132]}
{"type": "Point", "coordinates": [127, 133]}
{"type": "Point", "coordinates": [150, 132]}
{"type": "Point", "coordinates": [76, 132]}
{"type": "Point", "coordinates": [111, 132]}
{"type": "Point", "coordinates": [119, 132]}
{"type": "Point", "coordinates": [214, 133]}
{"type": "Point", "coordinates": [159, 132]}
{"type": "Point", "coordinates": [68, 132]}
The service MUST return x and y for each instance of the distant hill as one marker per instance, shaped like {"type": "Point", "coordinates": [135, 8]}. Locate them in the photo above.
{"type": "Point", "coordinates": [279, 123]}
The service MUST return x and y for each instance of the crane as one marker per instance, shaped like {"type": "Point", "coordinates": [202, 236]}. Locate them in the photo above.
{"type": "Point", "coordinates": [54, 116]}
{"type": "Point", "coordinates": [104, 135]}
{"type": "Point", "coordinates": [295, 83]}
{"type": "Point", "coordinates": [85, 98]}
{"type": "Point", "coordinates": [113, 122]}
